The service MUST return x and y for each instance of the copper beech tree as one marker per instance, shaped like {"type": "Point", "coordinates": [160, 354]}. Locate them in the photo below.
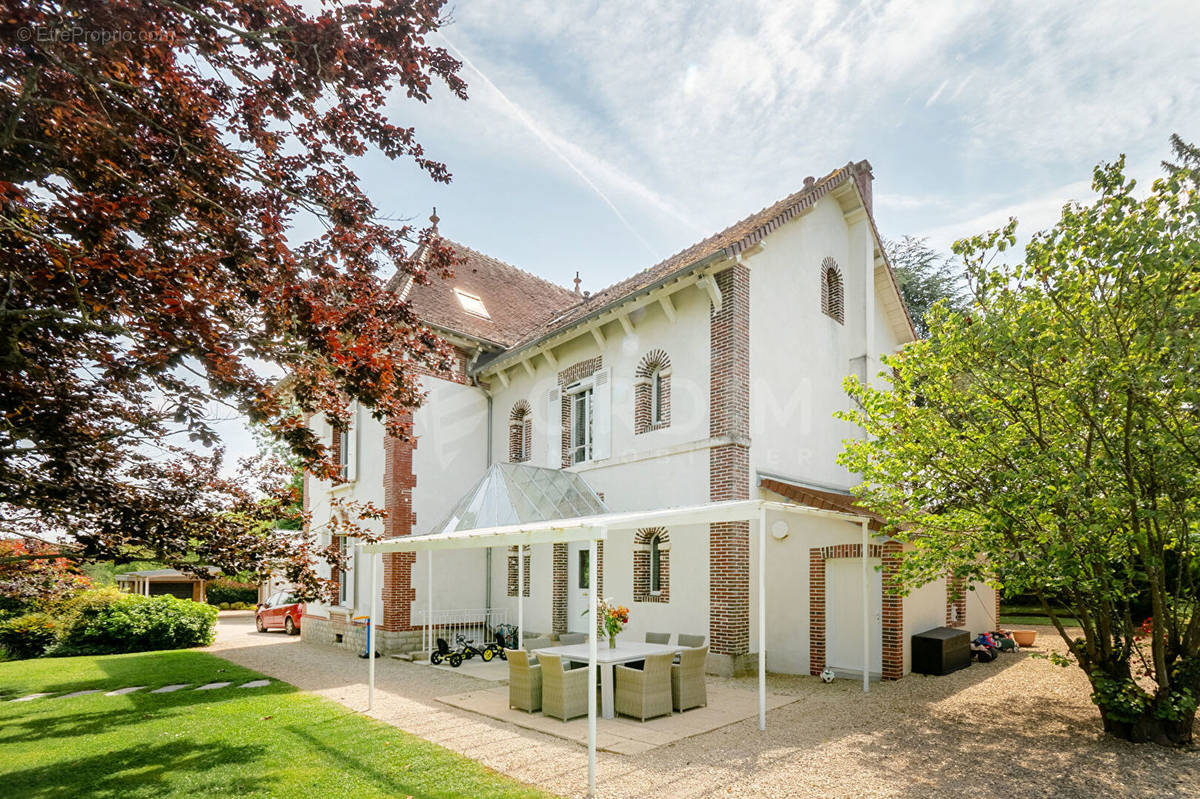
{"type": "Point", "coordinates": [157, 162]}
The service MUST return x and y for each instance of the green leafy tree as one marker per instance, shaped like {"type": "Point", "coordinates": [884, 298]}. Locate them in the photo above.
{"type": "Point", "coordinates": [1048, 441]}
{"type": "Point", "coordinates": [925, 277]}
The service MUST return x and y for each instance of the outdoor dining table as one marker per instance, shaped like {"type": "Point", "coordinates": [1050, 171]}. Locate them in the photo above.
{"type": "Point", "coordinates": [606, 658]}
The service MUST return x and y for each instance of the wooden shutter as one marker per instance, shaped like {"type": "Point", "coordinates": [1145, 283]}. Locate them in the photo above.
{"type": "Point", "coordinates": [601, 414]}
{"type": "Point", "coordinates": [554, 428]}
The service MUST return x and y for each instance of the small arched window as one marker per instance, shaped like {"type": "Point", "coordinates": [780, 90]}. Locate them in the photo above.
{"type": "Point", "coordinates": [520, 433]}
{"type": "Point", "coordinates": [833, 303]}
{"type": "Point", "coordinates": [652, 393]}
{"type": "Point", "coordinates": [655, 565]}
{"type": "Point", "coordinates": [651, 565]}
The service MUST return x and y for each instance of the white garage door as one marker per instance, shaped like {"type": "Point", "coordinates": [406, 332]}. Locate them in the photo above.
{"type": "Point", "coordinates": [844, 615]}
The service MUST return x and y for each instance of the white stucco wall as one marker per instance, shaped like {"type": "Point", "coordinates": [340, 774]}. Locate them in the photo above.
{"type": "Point", "coordinates": [799, 355]}
{"type": "Point", "coordinates": [450, 429]}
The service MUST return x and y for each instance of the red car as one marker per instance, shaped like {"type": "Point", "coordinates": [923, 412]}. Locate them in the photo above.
{"type": "Point", "coordinates": [281, 611]}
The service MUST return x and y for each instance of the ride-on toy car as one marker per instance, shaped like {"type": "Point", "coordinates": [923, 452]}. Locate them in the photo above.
{"type": "Point", "coordinates": [469, 650]}
{"type": "Point", "coordinates": [281, 611]}
{"type": "Point", "coordinates": [443, 652]}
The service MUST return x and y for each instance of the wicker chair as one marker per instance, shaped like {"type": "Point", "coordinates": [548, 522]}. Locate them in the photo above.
{"type": "Point", "coordinates": [564, 692]}
{"type": "Point", "coordinates": [688, 688]}
{"type": "Point", "coordinates": [538, 642]}
{"type": "Point", "coordinates": [524, 682]}
{"type": "Point", "coordinates": [691, 640]}
{"type": "Point", "coordinates": [658, 638]}
{"type": "Point", "coordinates": [571, 638]}
{"type": "Point", "coordinates": [644, 693]}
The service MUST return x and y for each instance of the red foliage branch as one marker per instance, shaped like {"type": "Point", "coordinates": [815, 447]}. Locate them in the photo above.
{"type": "Point", "coordinates": [157, 160]}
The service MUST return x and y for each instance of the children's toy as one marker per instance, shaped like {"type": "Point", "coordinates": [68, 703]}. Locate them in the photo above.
{"type": "Point", "coordinates": [443, 652]}
{"type": "Point", "coordinates": [469, 650]}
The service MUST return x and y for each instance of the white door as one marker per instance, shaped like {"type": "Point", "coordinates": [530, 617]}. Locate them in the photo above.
{"type": "Point", "coordinates": [577, 587]}
{"type": "Point", "coordinates": [844, 615]}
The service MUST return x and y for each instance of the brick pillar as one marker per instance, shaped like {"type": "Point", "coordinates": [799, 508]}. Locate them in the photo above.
{"type": "Point", "coordinates": [729, 473]}
{"type": "Point", "coordinates": [816, 611]}
{"type": "Point", "coordinates": [558, 616]}
{"type": "Point", "coordinates": [398, 484]}
{"type": "Point", "coordinates": [893, 613]}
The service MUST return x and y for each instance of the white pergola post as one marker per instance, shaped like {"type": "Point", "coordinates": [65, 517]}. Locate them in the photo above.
{"type": "Point", "coordinates": [593, 613]}
{"type": "Point", "coordinates": [430, 643]}
{"type": "Point", "coordinates": [762, 619]}
{"type": "Point", "coordinates": [520, 596]}
{"type": "Point", "coordinates": [375, 560]}
{"type": "Point", "coordinates": [866, 597]}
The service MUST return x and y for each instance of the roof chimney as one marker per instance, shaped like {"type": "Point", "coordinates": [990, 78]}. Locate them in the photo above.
{"type": "Point", "coordinates": [864, 179]}
{"type": "Point", "coordinates": [577, 282]}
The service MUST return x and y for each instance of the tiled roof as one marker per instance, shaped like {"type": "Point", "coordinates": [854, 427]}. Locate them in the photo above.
{"type": "Point", "coordinates": [822, 499]}
{"type": "Point", "coordinates": [515, 300]}
{"type": "Point", "coordinates": [525, 308]}
{"type": "Point", "coordinates": [736, 238]}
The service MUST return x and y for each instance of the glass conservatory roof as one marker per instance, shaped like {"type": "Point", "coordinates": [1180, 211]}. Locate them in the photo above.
{"type": "Point", "coordinates": [515, 493]}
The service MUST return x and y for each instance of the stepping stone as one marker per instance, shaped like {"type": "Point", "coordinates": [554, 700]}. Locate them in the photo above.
{"type": "Point", "coordinates": [255, 684]}
{"type": "Point", "coordinates": [123, 691]}
{"type": "Point", "coordinates": [80, 693]}
{"type": "Point", "coordinates": [213, 685]}
{"type": "Point", "coordinates": [30, 698]}
{"type": "Point", "coordinates": [166, 689]}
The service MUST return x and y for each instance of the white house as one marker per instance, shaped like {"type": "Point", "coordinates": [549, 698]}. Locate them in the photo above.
{"type": "Point", "coordinates": [714, 375]}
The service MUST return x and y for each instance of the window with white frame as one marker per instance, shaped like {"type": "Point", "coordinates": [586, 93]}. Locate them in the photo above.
{"type": "Point", "coordinates": [656, 414]}
{"type": "Point", "coordinates": [343, 452]}
{"type": "Point", "coordinates": [342, 575]}
{"type": "Point", "coordinates": [472, 304]}
{"type": "Point", "coordinates": [581, 422]}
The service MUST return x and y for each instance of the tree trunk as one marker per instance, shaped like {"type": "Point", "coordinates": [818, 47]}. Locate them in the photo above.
{"type": "Point", "coordinates": [1151, 729]}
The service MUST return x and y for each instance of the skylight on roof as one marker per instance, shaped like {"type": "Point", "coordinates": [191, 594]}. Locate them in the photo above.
{"type": "Point", "coordinates": [472, 304]}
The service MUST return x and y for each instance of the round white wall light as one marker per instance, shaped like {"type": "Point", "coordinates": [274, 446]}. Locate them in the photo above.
{"type": "Point", "coordinates": [779, 529]}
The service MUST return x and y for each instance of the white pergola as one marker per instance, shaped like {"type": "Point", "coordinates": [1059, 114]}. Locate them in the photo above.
{"type": "Point", "coordinates": [596, 528]}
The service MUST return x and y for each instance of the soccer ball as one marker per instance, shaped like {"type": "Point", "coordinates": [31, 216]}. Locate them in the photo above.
{"type": "Point", "coordinates": [827, 675]}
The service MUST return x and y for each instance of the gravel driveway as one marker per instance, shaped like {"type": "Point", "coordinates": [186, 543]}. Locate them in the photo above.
{"type": "Point", "coordinates": [1019, 727]}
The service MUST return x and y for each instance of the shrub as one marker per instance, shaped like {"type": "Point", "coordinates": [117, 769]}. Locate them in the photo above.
{"type": "Point", "coordinates": [99, 623]}
{"type": "Point", "coordinates": [27, 636]}
{"type": "Point", "coordinates": [224, 591]}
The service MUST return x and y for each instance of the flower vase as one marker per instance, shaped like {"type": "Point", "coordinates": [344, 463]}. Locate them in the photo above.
{"type": "Point", "coordinates": [612, 641]}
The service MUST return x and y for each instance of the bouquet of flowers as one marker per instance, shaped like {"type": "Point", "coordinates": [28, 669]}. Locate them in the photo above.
{"type": "Point", "coordinates": [612, 618]}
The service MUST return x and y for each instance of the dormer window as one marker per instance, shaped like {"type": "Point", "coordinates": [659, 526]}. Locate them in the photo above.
{"type": "Point", "coordinates": [472, 304]}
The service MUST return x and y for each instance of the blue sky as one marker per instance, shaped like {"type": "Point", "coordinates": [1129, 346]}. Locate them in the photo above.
{"type": "Point", "coordinates": [603, 137]}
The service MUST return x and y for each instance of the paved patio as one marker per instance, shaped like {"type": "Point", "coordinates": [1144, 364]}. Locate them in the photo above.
{"type": "Point", "coordinates": [726, 705]}
{"type": "Point", "coordinates": [1019, 727]}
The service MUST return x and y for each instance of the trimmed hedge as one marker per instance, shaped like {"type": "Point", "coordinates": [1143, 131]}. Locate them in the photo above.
{"type": "Point", "coordinates": [27, 636]}
{"type": "Point", "coordinates": [229, 592]}
{"type": "Point", "coordinates": [99, 623]}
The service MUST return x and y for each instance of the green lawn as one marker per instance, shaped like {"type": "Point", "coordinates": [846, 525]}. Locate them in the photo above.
{"type": "Point", "coordinates": [1015, 615]}
{"type": "Point", "coordinates": [227, 742]}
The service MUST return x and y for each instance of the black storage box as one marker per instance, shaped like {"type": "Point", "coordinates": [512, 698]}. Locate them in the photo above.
{"type": "Point", "coordinates": [941, 651]}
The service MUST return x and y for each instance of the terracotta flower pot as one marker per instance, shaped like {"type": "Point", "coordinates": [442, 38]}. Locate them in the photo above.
{"type": "Point", "coordinates": [1024, 637]}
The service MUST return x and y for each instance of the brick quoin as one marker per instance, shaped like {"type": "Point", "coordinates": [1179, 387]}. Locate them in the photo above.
{"type": "Point", "coordinates": [558, 616]}
{"type": "Point", "coordinates": [893, 604]}
{"type": "Point", "coordinates": [729, 465]}
{"type": "Point", "coordinates": [398, 484]}
{"type": "Point", "coordinates": [956, 606]}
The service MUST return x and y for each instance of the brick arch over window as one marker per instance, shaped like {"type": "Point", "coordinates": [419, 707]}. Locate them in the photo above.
{"type": "Point", "coordinates": [652, 393]}
{"type": "Point", "coordinates": [645, 543]}
{"type": "Point", "coordinates": [520, 432]}
{"type": "Point", "coordinates": [833, 300]}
